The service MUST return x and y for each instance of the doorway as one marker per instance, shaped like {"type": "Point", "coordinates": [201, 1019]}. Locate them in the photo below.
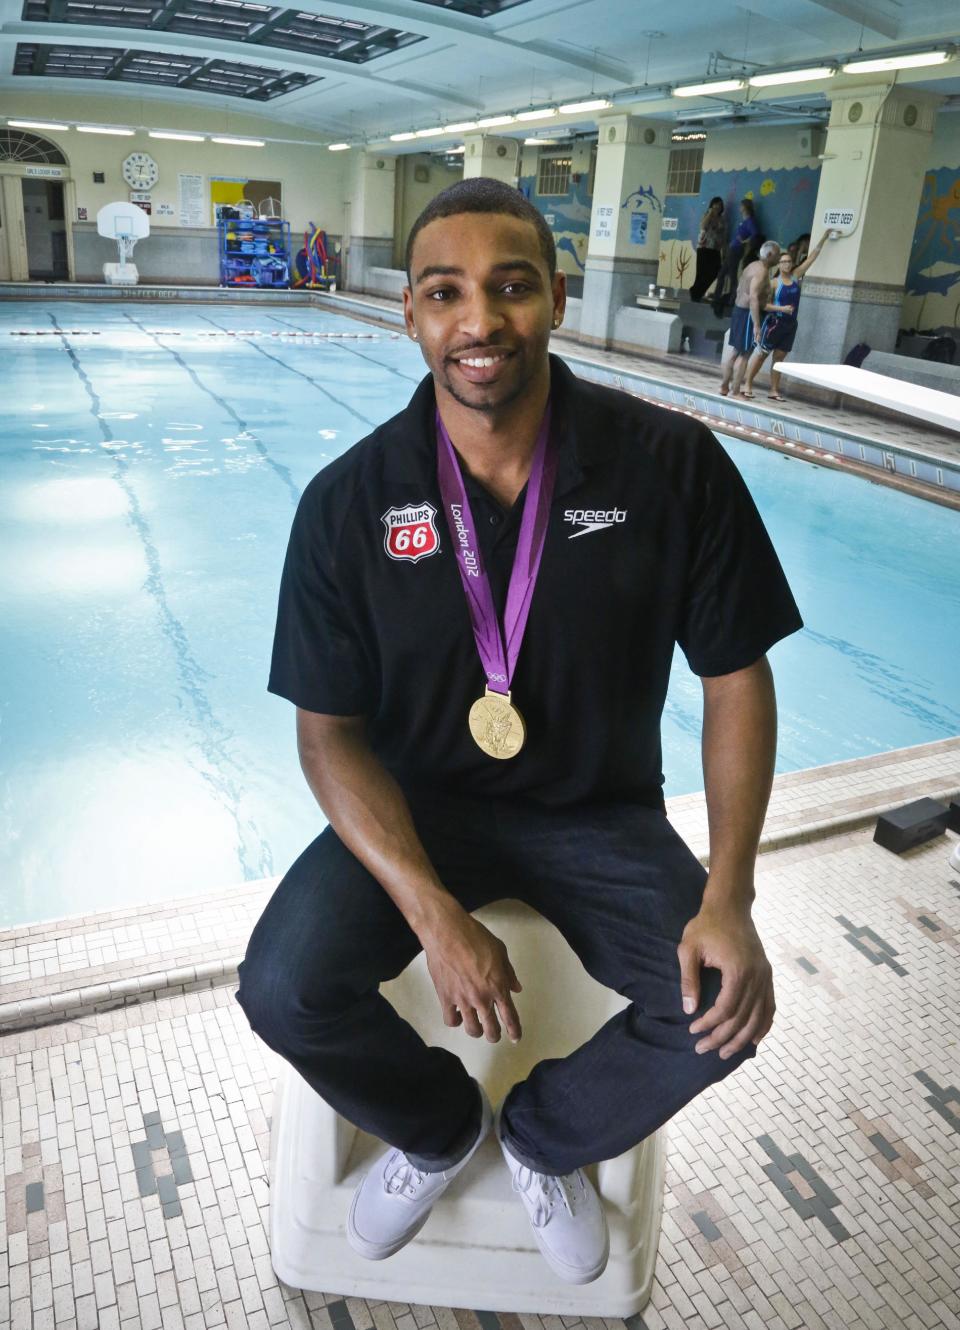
{"type": "Point", "coordinates": [345, 247]}
{"type": "Point", "coordinates": [45, 228]}
{"type": "Point", "coordinates": [4, 243]}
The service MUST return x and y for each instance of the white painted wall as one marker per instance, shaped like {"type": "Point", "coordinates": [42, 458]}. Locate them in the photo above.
{"type": "Point", "coordinates": [775, 147]}
{"type": "Point", "coordinates": [313, 181]}
{"type": "Point", "coordinates": [755, 148]}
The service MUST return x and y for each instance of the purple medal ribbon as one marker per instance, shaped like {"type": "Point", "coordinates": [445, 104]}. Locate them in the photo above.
{"type": "Point", "coordinates": [498, 650]}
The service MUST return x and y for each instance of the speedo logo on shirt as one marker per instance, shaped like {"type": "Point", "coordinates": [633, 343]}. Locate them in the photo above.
{"type": "Point", "coordinates": [593, 519]}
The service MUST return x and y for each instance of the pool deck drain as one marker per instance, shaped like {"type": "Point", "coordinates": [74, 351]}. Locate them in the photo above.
{"type": "Point", "coordinates": [817, 1187]}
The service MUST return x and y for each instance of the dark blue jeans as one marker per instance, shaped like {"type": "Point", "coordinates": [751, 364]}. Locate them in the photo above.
{"type": "Point", "coordinates": [619, 884]}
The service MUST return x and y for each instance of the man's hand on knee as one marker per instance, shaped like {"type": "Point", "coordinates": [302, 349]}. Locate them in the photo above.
{"type": "Point", "coordinates": [724, 937]}
{"type": "Point", "coordinates": [472, 974]}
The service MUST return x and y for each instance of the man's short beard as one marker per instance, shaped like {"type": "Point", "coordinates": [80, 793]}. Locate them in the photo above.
{"type": "Point", "coordinates": [490, 407]}
{"type": "Point", "coordinates": [485, 406]}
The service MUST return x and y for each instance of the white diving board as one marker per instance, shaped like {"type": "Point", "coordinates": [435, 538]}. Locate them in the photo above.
{"type": "Point", "coordinates": [911, 399]}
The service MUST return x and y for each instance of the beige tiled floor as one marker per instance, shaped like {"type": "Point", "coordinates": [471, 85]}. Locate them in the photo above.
{"type": "Point", "coordinates": [818, 1186]}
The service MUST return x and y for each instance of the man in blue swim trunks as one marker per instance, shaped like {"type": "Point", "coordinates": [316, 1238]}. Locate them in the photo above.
{"type": "Point", "coordinates": [779, 327]}
{"type": "Point", "coordinates": [752, 301]}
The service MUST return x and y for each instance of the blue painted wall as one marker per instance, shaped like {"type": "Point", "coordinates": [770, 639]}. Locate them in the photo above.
{"type": "Point", "coordinates": [570, 224]}
{"type": "Point", "coordinates": [784, 198]}
{"type": "Point", "coordinates": [784, 201]}
{"type": "Point", "coordinates": [933, 277]}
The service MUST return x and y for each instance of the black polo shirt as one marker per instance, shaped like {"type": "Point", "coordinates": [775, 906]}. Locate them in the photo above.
{"type": "Point", "coordinates": [653, 539]}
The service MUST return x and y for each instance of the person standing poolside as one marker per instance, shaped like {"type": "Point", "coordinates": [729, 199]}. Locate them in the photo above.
{"type": "Point", "coordinates": [477, 619]}
{"type": "Point", "coordinates": [779, 328]}
{"type": "Point", "coordinates": [711, 245]}
{"type": "Point", "coordinates": [751, 304]}
{"type": "Point", "coordinates": [747, 230]}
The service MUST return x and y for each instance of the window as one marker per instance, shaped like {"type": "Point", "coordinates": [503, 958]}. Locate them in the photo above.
{"type": "Point", "coordinates": [233, 20]}
{"type": "Point", "coordinates": [685, 170]}
{"type": "Point", "coordinates": [16, 145]}
{"type": "Point", "coordinates": [553, 174]}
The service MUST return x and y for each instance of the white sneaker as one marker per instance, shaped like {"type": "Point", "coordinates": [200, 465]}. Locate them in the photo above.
{"type": "Point", "coordinates": [394, 1200]}
{"type": "Point", "coordinates": [567, 1218]}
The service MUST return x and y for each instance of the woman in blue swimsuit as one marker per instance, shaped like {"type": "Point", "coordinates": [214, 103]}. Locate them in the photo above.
{"type": "Point", "coordinates": [779, 328]}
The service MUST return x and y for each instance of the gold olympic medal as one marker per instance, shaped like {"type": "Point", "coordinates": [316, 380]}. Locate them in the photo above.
{"type": "Point", "coordinates": [496, 725]}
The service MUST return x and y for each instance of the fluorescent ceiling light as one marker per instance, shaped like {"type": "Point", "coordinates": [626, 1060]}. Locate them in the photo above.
{"type": "Point", "coordinates": [489, 121]}
{"type": "Point", "coordinates": [36, 124]}
{"type": "Point", "coordinates": [429, 133]}
{"type": "Point", "coordinates": [240, 143]}
{"type": "Point", "coordinates": [916, 61]}
{"type": "Point", "coordinates": [452, 151]}
{"type": "Point", "coordinates": [338, 147]}
{"type": "Point", "coordinates": [104, 129]}
{"type": "Point", "coordinates": [543, 114]}
{"type": "Point", "coordinates": [645, 94]}
{"type": "Point", "coordinates": [462, 127]}
{"type": "Point", "coordinates": [692, 119]}
{"type": "Point", "coordinates": [707, 89]}
{"type": "Point", "coordinates": [572, 108]}
{"type": "Point", "coordinates": [792, 76]}
{"type": "Point", "coordinates": [402, 138]}
{"type": "Point", "coordinates": [169, 134]}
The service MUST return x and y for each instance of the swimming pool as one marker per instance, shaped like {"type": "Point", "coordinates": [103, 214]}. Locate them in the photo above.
{"type": "Point", "coordinates": [152, 462]}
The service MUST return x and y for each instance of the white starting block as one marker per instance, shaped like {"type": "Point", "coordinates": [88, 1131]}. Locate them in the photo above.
{"type": "Point", "coordinates": [126, 224]}
{"type": "Point", "coordinates": [477, 1249]}
{"type": "Point", "coordinates": [911, 399]}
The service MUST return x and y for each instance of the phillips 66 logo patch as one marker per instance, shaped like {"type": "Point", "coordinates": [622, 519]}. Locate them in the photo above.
{"type": "Point", "coordinates": [410, 533]}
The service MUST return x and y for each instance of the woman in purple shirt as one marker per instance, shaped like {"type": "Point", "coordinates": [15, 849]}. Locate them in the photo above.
{"type": "Point", "coordinates": [711, 247]}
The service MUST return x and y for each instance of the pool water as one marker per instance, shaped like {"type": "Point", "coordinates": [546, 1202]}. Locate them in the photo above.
{"type": "Point", "coordinates": [151, 466]}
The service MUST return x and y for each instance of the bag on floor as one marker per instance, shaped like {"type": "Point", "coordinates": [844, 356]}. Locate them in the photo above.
{"type": "Point", "coordinates": [857, 355]}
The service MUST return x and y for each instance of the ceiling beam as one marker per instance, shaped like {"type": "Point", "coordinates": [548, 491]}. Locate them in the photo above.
{"type": "Point", "coordinates": [865, 15]}
{"type": "Point", "coordinates": [447, 25]}
{"type": "Point", "coordinates": [164, 16]}
{"type": "Point", "coordinates": [119, 65]}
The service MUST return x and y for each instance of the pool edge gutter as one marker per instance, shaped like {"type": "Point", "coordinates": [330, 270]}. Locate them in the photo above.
{"type": "Point", "coordinates": [708, 407]}
{"type": "Point", "coordinates": [77, 1003]}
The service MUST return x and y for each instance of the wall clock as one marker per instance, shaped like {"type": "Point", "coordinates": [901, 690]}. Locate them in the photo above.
{"type": "Point", "coordinates": [140, 171]}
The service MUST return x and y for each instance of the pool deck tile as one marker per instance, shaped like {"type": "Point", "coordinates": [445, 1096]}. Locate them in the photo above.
{"type": "Point", "coordinates": [817, 1186]}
